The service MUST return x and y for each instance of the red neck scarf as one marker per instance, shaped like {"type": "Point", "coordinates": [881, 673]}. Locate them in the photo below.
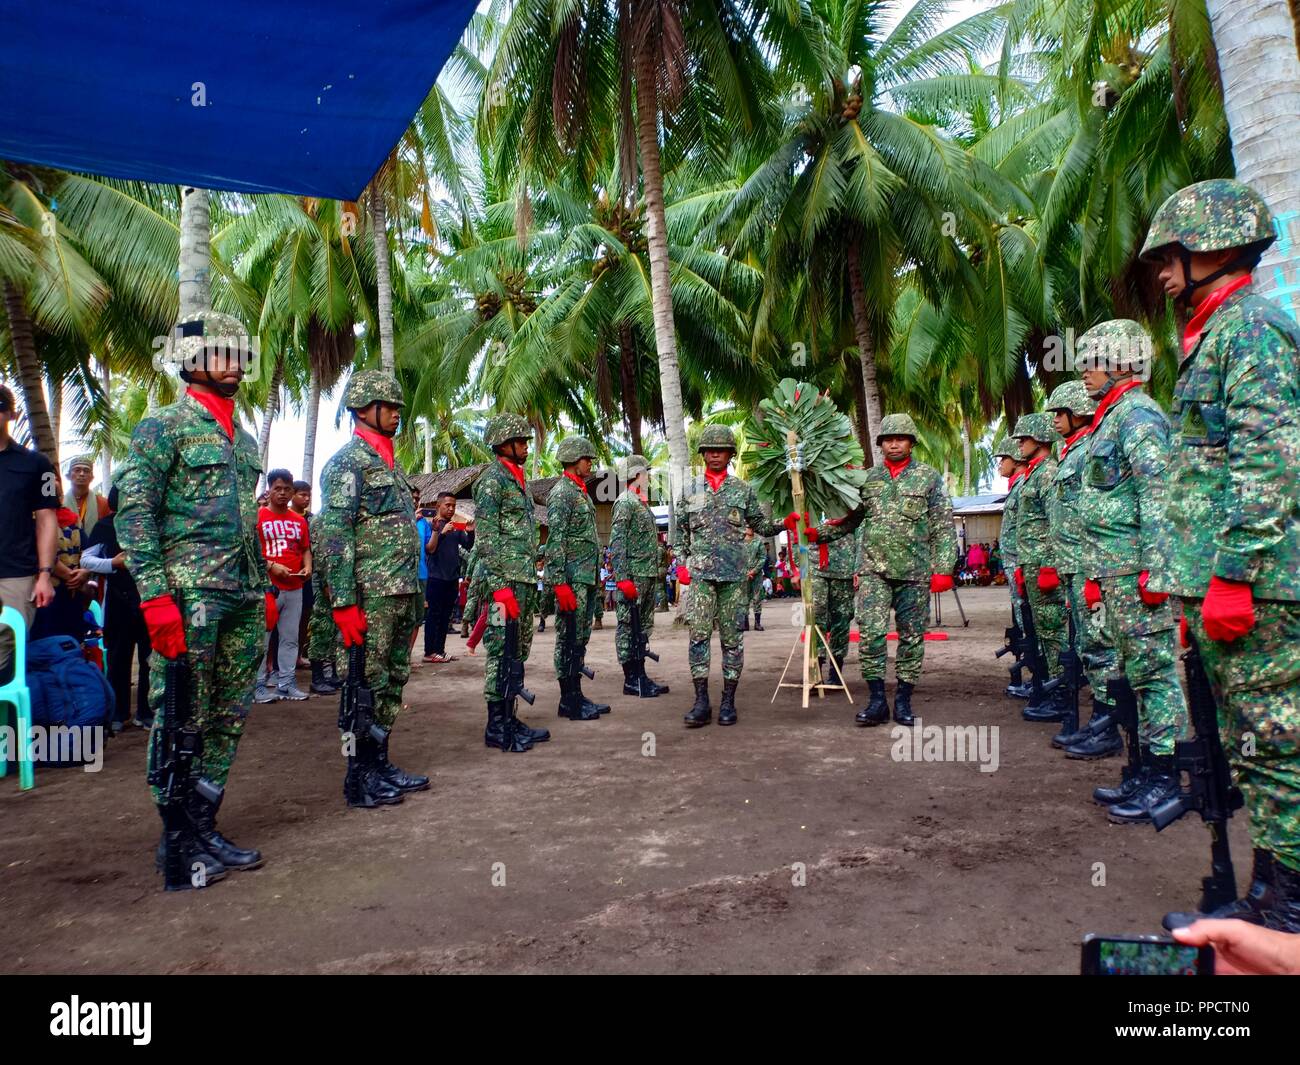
{"type": "Point", "coordinates": [1074, 438]}
{"type": "Point", "coordinates": [895, 468]}
{"type": "Point", "coordinates": [823, 555]}
{"type": "Point", "coordinates": [381, 443]}
{"type": "Point", "coordinates": [1011, 481]}
{"type": "Point", "coordinates": [1110, 399]}
{"type": "Point", "coordinates": [636, 491]}
{"type": "Point", "coordinates": [220, 407]}
{"type": "Point", "coordinates": [1033, 464]}
{"type": "Point", "coordinates": [576, 480]}
{"type": "Point", "coordinates": [1206, 308]}
{"type": "Point", "coordinates": [517, 472]}
{"type": "Point", "coordinates": [715, 479]}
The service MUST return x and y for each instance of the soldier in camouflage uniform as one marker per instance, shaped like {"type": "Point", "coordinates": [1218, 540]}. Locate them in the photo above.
{"type": "Point", "coordinates": [906, 552]}
{"type": "Point", "coordinates": [1012, 467]}
{"type": "Point", "coordinates": [634, 555]}
{"type": "Point", "coordinates": [572, 568]}
{"type": "Point", "coordinates": [371, 553]}
{"type": "Point", "coordinates": [755, 562]}
{"type": "Point", "coordinates": [1234, 513]}
{"type": "Point", "coordinates": [1123, 507]}
{"type": "Point", "coordinates": [833, 596]}
{"type": "Point", "coordinates": [187, 524]}
{"type": "Point", "coordinates": [711, 517]}
{"type": "Point", "coordinates": [1072, 408]}
{"type": "Point", "coordinates": [322, 633]}
{"type": "Point", "coordinates": [506, 547]}
{"type": "Point", "coordinates": [1035, 576]}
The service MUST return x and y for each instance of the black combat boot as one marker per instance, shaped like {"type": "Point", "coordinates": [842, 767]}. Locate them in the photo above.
{"type": "Point", "coordinates": [588, 704]}
{"type": "Point", "coordinates": [1069, 724]}
{"type": "Point", "coordinates": [332, 675]}
{"type": "Point", "coordinates": [1284, 914]}
{"type": "Point", "coordinates": [635, 681]}
{"type": "Point", "coordinates": [363, 787]}
{"type": "Point", "coordinates": [631, 678]}
{"type": "Point", "coordinates": [320, 684]}
{"type": "Point", "coordinates": [395, 777]}
{"type": "Point", "coordinates": [1259, 898]}
{"type": "Point", "coordinates": [203, 816]}
{"type": "Point", "coordinates": [501, 732]}
{"type": "Point", "coordinates": [1020, 691]}
{"type": "Point", "coordinates": [192, 852]}
{"type": "Point", "coordinates": [1160, 786]}
{"type": "Point", "coordinates": [531, 735]}
{"type": "Point", "coordinates": [903, 703]}
{"type": "Point", "coordinates": [876, 712]}
{"type": "Point", "coordinates": [727, 708]}
{"type": "Point", "coordinates": [1052, 708]}
{"type": "Point", "coordinates": [1129, 784]}
{"type": "Point", "coordinates": [571, 704]}
{"type": "Point", "coordinates": [1095, 745]}
{"type": "Point", "coordinates": [1102, 718]}
{"type": "Point", "coordinates": [701, 713]}
{"type": "Point", "coordinates": [758, 621]}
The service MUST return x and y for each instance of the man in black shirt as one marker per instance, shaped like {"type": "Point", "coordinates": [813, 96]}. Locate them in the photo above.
{"type": "Point", "coordinates": [29, 534]}
{"type": "Point", "coordinates": [442, 553]}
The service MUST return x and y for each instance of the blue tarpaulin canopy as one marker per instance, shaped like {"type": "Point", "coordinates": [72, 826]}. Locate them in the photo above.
{"type": "Point", "coordinates": [270, 96]}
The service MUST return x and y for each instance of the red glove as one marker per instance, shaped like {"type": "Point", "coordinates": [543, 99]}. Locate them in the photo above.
{"type": "Point", "coordinates": [811, 533]}
{"type": "Point", "coordinates": [506, 597]}
{"type": "Point", "coordinates": [1091, 593]}
{"type": "Point", "coordinates": [1183, 639]}
{"type": "Point", "coordinates": [683, 575]}
{"type": "Point", "coordinates": [351, 621]}
{"type": "Point", "coordinates": [272, 612]}
{"type": "Point", "coordinates": [791, 524]}
{"type": "Point", "coordinates": [629, 590]}
{"type": "Point", "coordinates": [1020, 580]}
{"type": "Point", "coordinates": [565, 600]}
{"type": "Point", "coordinates": [1228, 612]}
{"type": "Point", "coordinates": [1048, 579]}
{"type": "Point", "coordinates": [162, 617]}
{"type": "Point", "coordinates": [941, 582]}
{"type": "Point", "coordinates": [1150, 598]}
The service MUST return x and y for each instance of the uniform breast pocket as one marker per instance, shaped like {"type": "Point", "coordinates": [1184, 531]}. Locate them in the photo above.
{"type": "Point", "coordinates": [1201, 417]}
{"type": "Point", "coordinates": [204, 471]}
{"type": "Point", "coordinates": [250, 472]}
{"type": "Point", "coordinates": [379, 492]}
{"type": "Point", "coordinates": [913, 505]}
{"type": "Point", "coordinates": [1103, 470]}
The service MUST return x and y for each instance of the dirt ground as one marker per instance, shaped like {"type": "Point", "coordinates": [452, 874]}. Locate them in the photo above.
{"type": "Point", "coordinates": [614, 861]}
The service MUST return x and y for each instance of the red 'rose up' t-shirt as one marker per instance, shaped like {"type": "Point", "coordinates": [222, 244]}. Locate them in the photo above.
{"type": "Point", "coordinates": [284, 540]}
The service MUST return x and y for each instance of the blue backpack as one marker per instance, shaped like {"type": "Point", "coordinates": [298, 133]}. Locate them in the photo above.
{"type": "Point", "coordinates": [65, 688]}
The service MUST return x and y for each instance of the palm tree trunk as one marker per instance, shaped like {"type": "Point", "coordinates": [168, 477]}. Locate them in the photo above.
{"type": "Point", "coordinates": [272, 409]}
{"type": "Point", "coordinates": [428, 445]}
{"type": "Point", "coordinates": [107, 457]}
{"type": "Point", "coordinates": [1256, 42]}
{"type": "Point", "coordinates": [28, 364]}
{"type": "Point", "coordinates": [309, 431]}
{"type": "Point", "coordinates": [965, 455]}
{"type": "Point", "coordinates": [196, 254]}
{"type": "Point", "coordinates": [670, 379]}
{"type": "Point", "coordinates": [56, 408]}
{"type": "Point", "coordinates": [859, 403]}
{"type": "Point", "coordinates": [628, 376]}
{"type": "Point", "coordinates": [866, 351]}
{"type": "Point", "coordinates": [383, 276]}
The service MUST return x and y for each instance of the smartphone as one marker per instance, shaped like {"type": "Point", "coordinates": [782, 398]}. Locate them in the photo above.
{"type": "Point", "coordinates": [1144, 956]}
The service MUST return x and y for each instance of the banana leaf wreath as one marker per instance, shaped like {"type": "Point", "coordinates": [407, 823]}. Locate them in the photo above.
{"type": "Point", "coordinates": [829, 451]}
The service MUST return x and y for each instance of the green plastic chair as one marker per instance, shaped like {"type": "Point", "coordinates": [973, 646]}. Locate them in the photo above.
{"type": "Point", "coordinates": [16, 693]}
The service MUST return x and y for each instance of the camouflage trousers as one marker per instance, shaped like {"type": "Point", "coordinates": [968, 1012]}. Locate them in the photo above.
{"type": "Point", "coordinates": [833, 609]}
{"type": "Point", "coordinates": [645, 587]}
{"type": "Point", "coordinates": [1048, 609]}
{"type": "Point", "coordinates": [1015, 605]}
{"type": "Point", "coordinates": [1092, 643]}
{"type": "Point", "coordinates": [727, 602]}
{"type": "Point", "coordinates": [1256, 683]}
{"type": "Point", "coordinates": [391, 621]}
{"type": "Point", "coordinates": [225, 633]}
{"type": "Point", "coordinates": [910, 602]}
{"type": "Point", "coordinates": [495, 635]}
{"type": "Point", "coordinates": [575, 625]}
{"type": "Point", "coordinates": [756, 595]}
{"type": "Point", "coordinates": [1143, 636]}
{"type": "Point", "coordinates": [322, 633]}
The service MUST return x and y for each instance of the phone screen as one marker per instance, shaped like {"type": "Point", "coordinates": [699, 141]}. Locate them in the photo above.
{"type": "Point", "coordinates": [1141, 956]}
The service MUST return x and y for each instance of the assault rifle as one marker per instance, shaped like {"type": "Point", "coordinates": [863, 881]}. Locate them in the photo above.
{"type": "Point", "coordinates": [178, 744]}
{"type": "Point", "coordinates": [1033, 657]}
{"type": "Point", "coordinates": [1126, 716]}
{"type": "Point", "coordinates": [576, 665]}
{"type": "Point", "coordinates": [1071, 667]}
{"type": "Point", "coordinates": [1015, 646]}
{"type": "Point", "coordinates": [510, 678]}
{"type": "Point", "coordinates": [357, 712]}
{"type": "Point", "coordinates": [1209, 791]}
{"type": "Point", "coordinates": [640, 644]}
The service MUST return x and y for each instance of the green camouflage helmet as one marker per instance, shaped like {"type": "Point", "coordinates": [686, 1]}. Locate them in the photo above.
{"type": "Point", "coordinates": [1005, 449]}
{"type": "Point", "coordinates": [1211, 216]}
{"type": "Point", "coordinates": [573, 448]}
{"type": "Point", "coordinates": [717, 438]}
{"type": "Point", "coordinates": [1035, 427]}
{"type": "Point", "coordinates": [214, 329]}
{"type": "Point", "coordinates": [897, 425]}
{"type": "Point", "coordinates": [629, 467]}
{"type": "Point", "coordinates": [372, 386]}
{"type": "Point", "coordinates": [1119, 344]}
{"type": "Point", "coordinates": [1073, 397]}
{"type": "Point", "coordinates": [502, 428]}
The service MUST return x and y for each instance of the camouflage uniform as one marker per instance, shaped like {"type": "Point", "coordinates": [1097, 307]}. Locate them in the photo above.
{"type": "Point", "coordinates": [1092, 643]}
{"type": "Point", "coordinates": [1010, 514]}
{"type": "Point", "coordinates": [756, 560]}
{"type": "Point", "coordinates": [711, 545]}
{"type": "Point", "coordinates": [572, 557]}
{"type": "Point", "coordinates": [1123, 507]}
{"type": "Point", "coordinates": [1233, 510]}
{"type": "Point", "coordinates": [832, 587]}
{"type": "Point", "coordinates": [371, 553]}
{"type": "Point", "coordinates": [907, 536]}
{"type": "Point", "coordinates": [634, 555]}
{"type": "Point", "coordinates": [1035, 549]}
{"type": "Point", "coordinates": [322, 633]}
{"type": "Point", "coordinates": [187, 523]}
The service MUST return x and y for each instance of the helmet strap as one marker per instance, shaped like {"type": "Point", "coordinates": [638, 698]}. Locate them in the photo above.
{"type": "Point", "coordinates": [372, 425]}
{"type": "Point", "coordinates": [1243, 258]}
